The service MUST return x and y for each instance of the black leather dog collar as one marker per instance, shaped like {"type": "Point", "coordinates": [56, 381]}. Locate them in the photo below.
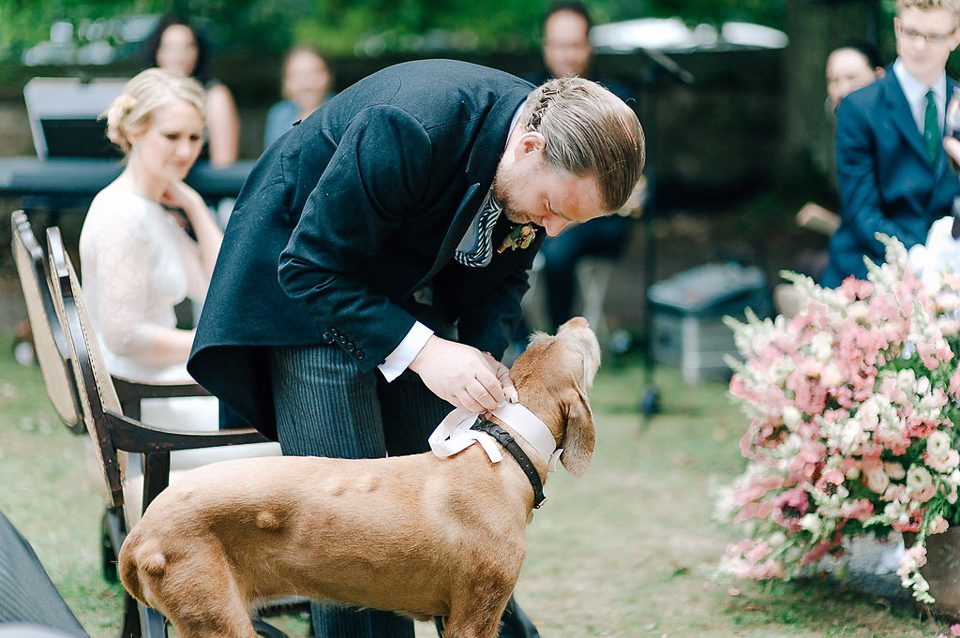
{"type": "Point", "coordinates": [510, 444]}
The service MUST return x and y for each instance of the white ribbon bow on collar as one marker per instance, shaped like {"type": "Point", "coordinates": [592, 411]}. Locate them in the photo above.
{"type": "Point", "coordinates": [454, 435]}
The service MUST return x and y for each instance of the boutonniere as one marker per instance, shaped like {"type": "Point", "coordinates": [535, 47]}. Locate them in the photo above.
{"type": "Point", "coordinates": [520, 237]}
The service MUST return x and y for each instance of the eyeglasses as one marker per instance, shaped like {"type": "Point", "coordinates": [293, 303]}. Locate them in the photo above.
{"type": "Point", "coordinates": [929, 38]}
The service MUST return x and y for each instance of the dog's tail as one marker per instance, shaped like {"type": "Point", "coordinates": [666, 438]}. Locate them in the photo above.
{"type": "Point", "coordinates": [138, 564]}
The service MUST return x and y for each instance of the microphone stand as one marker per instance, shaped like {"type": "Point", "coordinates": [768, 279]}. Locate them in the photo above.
{"type": "Point", "coordinates": [650, 398]}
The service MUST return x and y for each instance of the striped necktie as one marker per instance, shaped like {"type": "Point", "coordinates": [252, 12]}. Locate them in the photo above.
{"type": "Point", "coordinates": [931, 127]}
{"type": "Point", "coordinates": [479, 255]}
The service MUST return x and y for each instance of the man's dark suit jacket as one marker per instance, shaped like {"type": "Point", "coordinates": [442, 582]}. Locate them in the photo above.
{"type": "Point", "coordinates": [887, 183]}
{"type": "Point", "coordinates": [348, 215]}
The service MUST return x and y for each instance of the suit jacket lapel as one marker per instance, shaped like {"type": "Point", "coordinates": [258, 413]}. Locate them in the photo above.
{"type": "Point", "coordinates": [481, 167]}
{"type": "Point", "coordinates": [902, 113]}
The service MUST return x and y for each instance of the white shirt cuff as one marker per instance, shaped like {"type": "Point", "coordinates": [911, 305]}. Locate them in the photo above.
{"type": "Point", "coordinates": [404, 354]}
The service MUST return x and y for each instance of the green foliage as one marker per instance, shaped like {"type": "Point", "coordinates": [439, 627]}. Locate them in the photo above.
{"type": "Point", "coordinates": [363, 26]}
{"type": "Point", "coordinates": [766, 12]}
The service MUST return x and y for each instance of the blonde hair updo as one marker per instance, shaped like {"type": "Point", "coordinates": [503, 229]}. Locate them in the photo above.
{"type": "Point", "coordinates": [132, 111]}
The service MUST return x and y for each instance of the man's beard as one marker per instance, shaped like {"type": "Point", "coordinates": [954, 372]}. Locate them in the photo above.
{"type": "Point", "coordinates": [503, 182]}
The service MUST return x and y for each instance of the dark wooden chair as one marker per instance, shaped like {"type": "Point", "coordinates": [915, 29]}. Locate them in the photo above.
{"type": "Point", "coordinates": [54, 359]}
{"type": "Point", "coordinates": [50, 344]}
{"type": "Point", "coordinates": [120, 440]}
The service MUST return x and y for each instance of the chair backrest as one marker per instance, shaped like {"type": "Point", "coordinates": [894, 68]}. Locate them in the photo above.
{"type": "Point", "coordinates": [94, 385]}
{"type": "Point", "coordinates": [50, 343]}
{"type": "Point", "coordinates": [114, 435]}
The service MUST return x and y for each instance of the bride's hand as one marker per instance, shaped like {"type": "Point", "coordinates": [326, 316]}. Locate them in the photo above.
{"type": "Point", "coordinates": [180, 195]}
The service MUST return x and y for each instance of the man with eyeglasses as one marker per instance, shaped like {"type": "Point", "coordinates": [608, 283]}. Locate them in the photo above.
{"type": "Point", "coordinates": [893, 173]}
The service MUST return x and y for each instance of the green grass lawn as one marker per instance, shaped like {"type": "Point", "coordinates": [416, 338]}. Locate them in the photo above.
{"type": "Point", "coordinates": [628, 550]}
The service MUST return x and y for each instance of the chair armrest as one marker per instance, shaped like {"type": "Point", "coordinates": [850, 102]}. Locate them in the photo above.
{"type": "Point", "coordinates": [130, 435]}
{"type": "Point", "coordinates": [129, 389]}
{"type": "Point", "coordinates": [131, 392]}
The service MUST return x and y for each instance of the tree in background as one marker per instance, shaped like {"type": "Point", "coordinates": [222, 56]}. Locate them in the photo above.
{"type": "Point", "coordinates": [353, 26]}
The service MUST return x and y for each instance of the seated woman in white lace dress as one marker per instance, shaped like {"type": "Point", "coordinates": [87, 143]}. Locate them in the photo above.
{"type": "Point", "coordinates": [138, 261]}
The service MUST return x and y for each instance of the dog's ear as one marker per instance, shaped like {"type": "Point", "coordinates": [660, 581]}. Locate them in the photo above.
{"type": "Point", "coordinates": [580, 435]}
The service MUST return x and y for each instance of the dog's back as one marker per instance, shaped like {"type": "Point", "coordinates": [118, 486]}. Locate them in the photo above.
{"type": "Point", "coordinates": [324, 528]}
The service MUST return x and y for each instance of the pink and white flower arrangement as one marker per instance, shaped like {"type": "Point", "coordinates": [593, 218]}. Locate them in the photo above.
{"type": "Point", "coordinates": [852, 404]}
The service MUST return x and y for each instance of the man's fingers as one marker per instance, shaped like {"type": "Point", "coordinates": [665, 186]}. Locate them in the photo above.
{"type": "Point", "coordinates": [486, 391]}
{"type": "Point", "coordinates": [509, 390]}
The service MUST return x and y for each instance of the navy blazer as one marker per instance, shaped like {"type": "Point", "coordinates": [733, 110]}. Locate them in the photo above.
{"type": "Point", "coordinates": [887, 182]}
{"type": "Point", "coordinates": [348, 215]}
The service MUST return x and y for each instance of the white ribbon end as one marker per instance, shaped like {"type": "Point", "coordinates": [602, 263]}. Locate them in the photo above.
{"type": "Point", "coordinates": [552, 462]}
{"type": "Point", "coordinates": [454, 435]}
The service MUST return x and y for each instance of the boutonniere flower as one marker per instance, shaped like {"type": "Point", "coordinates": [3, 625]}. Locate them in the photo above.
{"type": "Point", "coordinates": [520, 237]}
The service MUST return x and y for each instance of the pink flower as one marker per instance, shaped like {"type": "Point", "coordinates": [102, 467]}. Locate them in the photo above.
{"type": "Point", "coordinates": [851, 405]}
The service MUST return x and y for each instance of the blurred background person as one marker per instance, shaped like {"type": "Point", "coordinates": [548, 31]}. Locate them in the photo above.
{"type": "Point", "coordinates": [149, 242]}
{"type": "Point", "coordinates": [567, 51]}
{"type": "Point", "coordinates": [307, 82]}
{"type": "Point", "coordinates": [892, 172]}
{"type": "Point", "coordinates": [176, 45]}
{"type": "Point", "coordinates": [851, 66]}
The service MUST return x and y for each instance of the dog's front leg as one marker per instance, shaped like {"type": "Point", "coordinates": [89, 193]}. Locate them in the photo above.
{"type": "Point", "coordinates": [476, 617]}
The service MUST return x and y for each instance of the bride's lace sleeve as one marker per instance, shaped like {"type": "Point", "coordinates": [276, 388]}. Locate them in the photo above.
{"type": "Point", "coordinates": [128, 308]}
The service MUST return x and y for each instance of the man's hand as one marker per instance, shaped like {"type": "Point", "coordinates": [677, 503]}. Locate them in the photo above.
{"type": "Point", "coordinates": [462, 375]}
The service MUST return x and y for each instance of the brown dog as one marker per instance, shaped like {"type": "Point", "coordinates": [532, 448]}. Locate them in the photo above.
{"type": "Point", "coordinates": [420, 535]}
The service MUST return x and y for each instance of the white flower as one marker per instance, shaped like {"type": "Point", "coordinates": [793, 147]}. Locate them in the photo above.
{"type": "Point", "coordinates": [894, 470]}
{"type": "Point", "coordinates": [919, 479]}
{"type": "Point", "coordinates": [811, 523]}
{"type": "Point", "coordinates": [791, 417]}
{"type": "Point", "coordinates": [830, 376]}
{"type": "Point", "coordinates": [877, 480]}
{"type": "Point", "coordinates": [947, 302]}
{"type": "Point", "coordinates": [938, 444]}
{"type": "Point", "coordinates": [896, 511]}
{"type": "Point", "coordinates": [777, 540]}
{"type": "Point", "coordinates": [906, 380]}
{"type": "Point", "coordinates": [821, 347]}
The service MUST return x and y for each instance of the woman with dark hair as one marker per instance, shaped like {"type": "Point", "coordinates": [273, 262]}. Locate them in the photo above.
{"type": "Point", "coordinates": [851, 66]}
{"type": "Point", "coordinates": [177, 45]}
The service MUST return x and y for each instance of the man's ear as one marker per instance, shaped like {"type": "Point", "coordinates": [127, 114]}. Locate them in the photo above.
{"type": "Point", "coordinates": [530, 142]}
{"type": "Point", "coordinates": [955, 39]}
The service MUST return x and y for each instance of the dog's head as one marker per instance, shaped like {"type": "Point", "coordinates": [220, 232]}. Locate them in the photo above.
{"type": "Point", "coordinates": [552, 378]}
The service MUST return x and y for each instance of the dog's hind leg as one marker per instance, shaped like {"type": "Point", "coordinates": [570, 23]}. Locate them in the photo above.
{"type": "Point", "coordinates": [223, 617]}
{"type": "Point", "coordinates": [202, 598]}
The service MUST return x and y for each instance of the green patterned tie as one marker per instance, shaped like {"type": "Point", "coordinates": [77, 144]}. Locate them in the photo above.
{"type": "Point", "coordinates": [931, 128]}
